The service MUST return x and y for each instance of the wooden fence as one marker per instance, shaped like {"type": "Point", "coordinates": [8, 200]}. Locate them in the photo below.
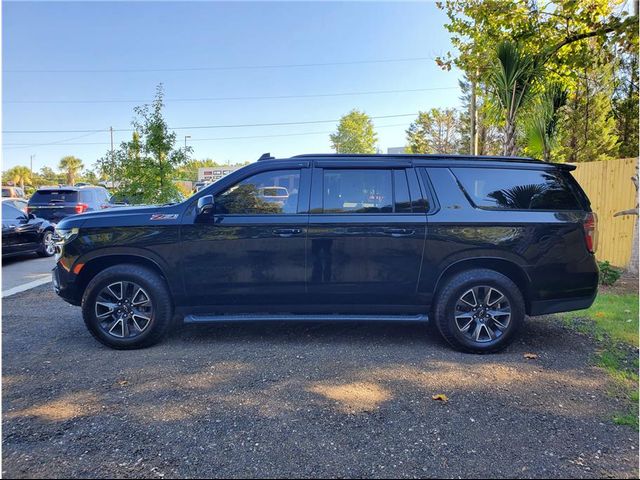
{"type": "Point", "coordinates": [609, 187]}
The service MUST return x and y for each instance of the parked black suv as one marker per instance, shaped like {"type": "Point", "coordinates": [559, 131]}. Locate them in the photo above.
{"type": "Point", "coordinates": [56, 203]}
{"type": "Point", "coordinates": [470, 243]}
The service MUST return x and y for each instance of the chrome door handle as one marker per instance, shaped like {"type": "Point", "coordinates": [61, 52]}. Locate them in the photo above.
{"type": "Point", "coordinates": [287, 232]}
{"type": "Point", "coordinates": [399, 232]}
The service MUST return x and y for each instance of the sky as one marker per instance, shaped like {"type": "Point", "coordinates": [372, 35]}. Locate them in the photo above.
{"type": "Point", "coordinates": [78, 66]}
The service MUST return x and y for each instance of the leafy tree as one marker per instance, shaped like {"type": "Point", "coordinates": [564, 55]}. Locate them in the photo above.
{"type": "Point", "coordinates": [145, 167]}
{"type": "Point", "coordinates": [435, 131]}
{"type": "Point", "coordinates": [18, 175]}
{"type": "Point", "coordinates": [355, 134]}
{"type": "Point", "coordinates": [70, 165]}
{"type": "Point", "coordinates": [625, 103]}
{"type": "Point", "coordinates": [511, 83]}
{"type": "Point", "coordinates": [587, 128]}
{"type": "Point", "coordinates": [541, 125]}
{"type": "Point", "coordinates": [564, 35]}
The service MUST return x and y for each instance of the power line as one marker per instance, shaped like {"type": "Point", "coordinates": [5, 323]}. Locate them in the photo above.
{"type": "Point", "coordinates": [214, 99]}
{"type": "Point", "coordinates": [211, 139]}
{"type": "Point", "coordinates": [227, 67]}
{"type": "Point", "coordinates": [198, 127]}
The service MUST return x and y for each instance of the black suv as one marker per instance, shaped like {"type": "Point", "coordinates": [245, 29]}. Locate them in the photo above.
{"type": "Point", "coordinates": [56, 203]}
{"type": "Point", "coordinates": [472, 244]}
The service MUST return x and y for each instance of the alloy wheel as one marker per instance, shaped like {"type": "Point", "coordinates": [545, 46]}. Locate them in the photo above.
{"type": "Point", "coordinates": [482, 314]}
{"type": "Point", "coordinates": [123, 309]}
{"type": "Point", "coordinates": [48, 243]}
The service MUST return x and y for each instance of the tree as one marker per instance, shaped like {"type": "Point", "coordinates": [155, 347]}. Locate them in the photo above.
{"type": "Point", "coordinates": [435, 131]}
{"type": "Point", "coordinates": [70, 165]}
{"type": "Point", "coordinates": [587, 127]}
{"type": "Point", "coordinates": [145, 167]}
{"type": "Point", "coordinates": [541, 125]}
{"type": "Point", "coordinates": [564, 35]}
{"type": "Point", "coordinates": [18, 175]}
{"type": "Point", "coordinates": [511, 82]}
{"type": "Point", "coordinates": [355, 134]}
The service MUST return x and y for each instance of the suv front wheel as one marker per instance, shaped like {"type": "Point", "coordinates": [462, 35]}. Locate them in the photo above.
{"type": "Point", "coordinates": [127, 306]}
{"type": "Point", "coordinates": [479, 311]}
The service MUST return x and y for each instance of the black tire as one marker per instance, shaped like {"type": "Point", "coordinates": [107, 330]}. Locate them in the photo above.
{"type": "Point", "coordinates": [45, 249]}
{"type": "Point", "coordinates": [476, 283]}
{"type": "Point", "coordinates": [159, 300]}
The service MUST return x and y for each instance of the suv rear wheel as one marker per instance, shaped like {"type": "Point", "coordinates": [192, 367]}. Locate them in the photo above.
{"type": "Point", "coordinates": [127, 306]}
{"type": "Point", "coordinates": [479, 311]}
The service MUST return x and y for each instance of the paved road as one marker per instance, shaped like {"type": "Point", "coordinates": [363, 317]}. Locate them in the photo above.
{"type": "Point", "coordinates": [18, 271]}
{"type": "Point", "coordinates": [300, 400]}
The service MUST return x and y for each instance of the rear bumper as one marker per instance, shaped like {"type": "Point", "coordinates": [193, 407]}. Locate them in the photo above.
{"type": "Point", "coordinates": [64, 285]}
{"type": "Point", "coordinates": [544, 307]}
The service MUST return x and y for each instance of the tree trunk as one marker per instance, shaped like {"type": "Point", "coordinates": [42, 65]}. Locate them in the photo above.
{"type": "Point", "coordinates": [509, 147]}
{"type": "Point", "coordinates": [474, 120]}
{"type": "Point", "coordinates": [632, 267]}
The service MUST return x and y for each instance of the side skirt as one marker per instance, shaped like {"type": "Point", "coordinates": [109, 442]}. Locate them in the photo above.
{"type": "Point", "coordinates": [305, 318]}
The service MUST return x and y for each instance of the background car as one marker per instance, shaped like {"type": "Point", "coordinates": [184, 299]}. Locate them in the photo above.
{"type": "Point", "coordinates": [20, 203]}
{"type": "Point", "coordinates": [25, 233]}
{"type": "Point", "coordinates": [56, 203]}
{"type": "Point", "coordinates": [12, 192]}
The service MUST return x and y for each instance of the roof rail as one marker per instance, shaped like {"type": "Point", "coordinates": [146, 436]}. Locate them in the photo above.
{"type": "Point", "coordinates": [426, 156]}
{"type": "Point", "coordinates": [266, 156]}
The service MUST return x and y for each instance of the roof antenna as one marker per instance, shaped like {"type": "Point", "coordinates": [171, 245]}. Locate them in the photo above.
{"type": "Point", "coordinates": [265, 156]}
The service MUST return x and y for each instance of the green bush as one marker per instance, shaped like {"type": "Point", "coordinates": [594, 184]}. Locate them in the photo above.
{"type": "Point", "coordinates": [608, 273]}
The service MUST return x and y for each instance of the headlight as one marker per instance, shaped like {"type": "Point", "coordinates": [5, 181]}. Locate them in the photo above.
{"type": "Point", "coordinates": [62, 236]}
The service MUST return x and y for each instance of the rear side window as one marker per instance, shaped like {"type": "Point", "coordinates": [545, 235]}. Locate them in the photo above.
{"type": "Point", "coordinates": [54, 196]}
{"type": "Point", "coordinates": [88, 196]}
{"type": "Point", "coordinates": [357, 191]}
{"type": "Point", "coordinates": [517, 189]}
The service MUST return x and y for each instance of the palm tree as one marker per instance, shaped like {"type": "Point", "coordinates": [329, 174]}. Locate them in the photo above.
{"type": "Point", "coordinates": [511, 80]}
{"type": "Point", "coordinates": [70, 165]}
{"type": "Point", "coordinates": [541, 125]}
{"type": "Point", "coordinates": [18, 174]}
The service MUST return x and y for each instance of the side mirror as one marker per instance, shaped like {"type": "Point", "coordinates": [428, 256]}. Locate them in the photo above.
{"type": "Point", "coordinates": [205, 205]}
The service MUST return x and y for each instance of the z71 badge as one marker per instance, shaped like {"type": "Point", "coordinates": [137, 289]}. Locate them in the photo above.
{"type": "Point", "coordinates": [164, 216]}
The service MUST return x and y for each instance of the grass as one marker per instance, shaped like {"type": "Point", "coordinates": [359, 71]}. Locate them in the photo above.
{"type": "Point", "coordinates": [613, 321]}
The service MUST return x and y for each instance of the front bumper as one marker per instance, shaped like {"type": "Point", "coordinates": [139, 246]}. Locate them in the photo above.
{"type": "Point", "coordinates": [64, 285]}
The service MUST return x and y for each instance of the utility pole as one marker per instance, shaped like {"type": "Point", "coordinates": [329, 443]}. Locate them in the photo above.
{"type": "Point", "coordinates": [31, 165]}
{"type": "Point", "coordinates": [113, 161]}
{"type": "Point", "coordinates": [185, 141]}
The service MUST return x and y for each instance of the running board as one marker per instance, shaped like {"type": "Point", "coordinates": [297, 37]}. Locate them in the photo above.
{"type": "Point", "coordinates": [304, 318]}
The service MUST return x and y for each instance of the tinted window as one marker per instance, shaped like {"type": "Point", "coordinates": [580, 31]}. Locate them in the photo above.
{"type": "Point", "coordinates": [401, 192]}
{"type": "Point", "coordinates": [357, 191]}
{"type": "Point", "coordinates": [6, 192]}
{"type": "Point", "coordinates": [517, 189]}
{"type": "Point", "coordinates": [264, 193]}
{"type": "Point", "coordinates": [11, 213]}
{"type": "Point", "coordinates": [87, 196]}
{"type": "Point", "coordinates": [54, 196]}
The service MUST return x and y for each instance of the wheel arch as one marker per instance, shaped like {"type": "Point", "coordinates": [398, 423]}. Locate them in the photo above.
{"type": "Point", "coordinates": [508, 268]}
{"type": "Point", "coordinates": [93, 266]}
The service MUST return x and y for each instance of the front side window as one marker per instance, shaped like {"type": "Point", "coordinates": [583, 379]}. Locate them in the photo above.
{"type": "Point", "coordinates": [357, 191]}
{"type": "Point", "coordinates": [273, 192]}
{"type": "Point", "coordinates": [517, 189]}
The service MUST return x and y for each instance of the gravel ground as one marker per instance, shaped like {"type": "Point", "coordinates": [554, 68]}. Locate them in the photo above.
{"type": "Point", "coordinates": [300, 400]}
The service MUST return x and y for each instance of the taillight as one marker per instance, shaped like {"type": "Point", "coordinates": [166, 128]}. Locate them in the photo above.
{"type": "Point", "coordinates": [81, 207]}
{"type": "Point", "coordinates": [591, 231]}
